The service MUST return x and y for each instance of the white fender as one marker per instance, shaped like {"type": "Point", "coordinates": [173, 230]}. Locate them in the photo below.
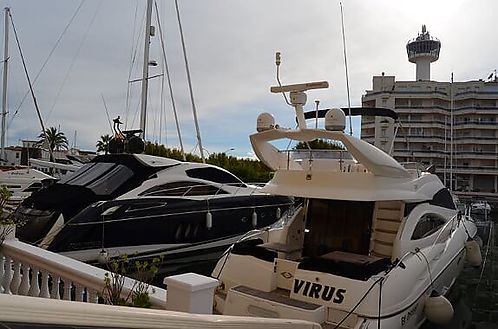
{"type": "Point", "coordinates": [254, 218]}
{"type": "Point", "coordinates": [438, 309]}
{"type": "Point", "coordinates": [209, 220]}
{"type": "Point", "coordinates": [473, 253]}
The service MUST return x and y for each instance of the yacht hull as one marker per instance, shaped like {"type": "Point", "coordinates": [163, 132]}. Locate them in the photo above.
{"type": "Point", "coordinates": [164, 225]}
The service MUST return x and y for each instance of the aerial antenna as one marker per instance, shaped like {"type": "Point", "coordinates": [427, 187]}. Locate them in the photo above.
{"type": "Point", "coordinates": [346, 67]}
{"type": "Point", "coordinates": [278, 61]}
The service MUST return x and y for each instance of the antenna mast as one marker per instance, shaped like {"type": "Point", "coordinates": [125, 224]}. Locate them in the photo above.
{"type": "Point", "coordinates": [346, 66]}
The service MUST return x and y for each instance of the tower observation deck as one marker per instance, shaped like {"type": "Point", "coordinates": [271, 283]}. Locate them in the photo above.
{"type": "Point", "coordinates": [423, 50]}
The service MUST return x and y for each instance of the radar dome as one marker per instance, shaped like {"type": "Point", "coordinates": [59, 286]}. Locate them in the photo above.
{"type": "Point", "coordinates": [335, 119]}
{"type": "Point", "coordinates": [265, 121]}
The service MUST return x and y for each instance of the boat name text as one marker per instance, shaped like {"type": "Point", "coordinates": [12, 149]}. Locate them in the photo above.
{"type": "Point", "coordinates": [317, 291]}
{"type": "Point", "coordinates": [405, 318]}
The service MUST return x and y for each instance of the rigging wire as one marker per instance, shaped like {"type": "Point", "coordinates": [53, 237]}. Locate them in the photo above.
{"type": "Point", "coordinates": [194, 111]}
{"type": "Point", "coordinates": [48, 58]}
{"type": "Point", "coordinates": [107, 113]}
{"type": "Point", "coordinates": [73, 61]}
{"type": "Point", "coordinates": [166, 68]}
{"type": "Point", "coordinates": [29, 82]}
{"type": "Point", "coordinates": [346, 67]}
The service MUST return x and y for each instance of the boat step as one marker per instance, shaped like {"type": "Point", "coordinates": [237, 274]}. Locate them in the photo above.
{"type": "Point", "coordinates": [279, 296]}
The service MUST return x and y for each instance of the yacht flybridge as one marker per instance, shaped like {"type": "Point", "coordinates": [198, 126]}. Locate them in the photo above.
{"type": "Point", "coordinates": [373, 243]}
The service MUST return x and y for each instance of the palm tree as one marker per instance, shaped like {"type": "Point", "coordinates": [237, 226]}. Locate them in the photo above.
{"type": "Point", "coordinates": [103, 144]}
{"type": "Point", "coordinates": [54, 140]}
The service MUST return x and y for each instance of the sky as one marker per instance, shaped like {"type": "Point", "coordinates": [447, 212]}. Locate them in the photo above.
{"type": "Point", "coordinates": [81, 56]}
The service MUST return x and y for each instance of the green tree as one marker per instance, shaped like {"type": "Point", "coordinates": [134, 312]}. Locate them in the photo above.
{"type": "Point", "coordinates": [248, 170]}
{"type": "Point", "coordinates": [103, 144]}
{"type": "Point", "coordinates": [319, 144]}
{"type": "Point", "coordinates": [54, 140]}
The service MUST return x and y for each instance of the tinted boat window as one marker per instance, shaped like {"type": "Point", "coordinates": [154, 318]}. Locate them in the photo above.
{"type": "Point", "coordinates": [34, 187]}
{"type": "Point", "coordinates": [145, 206]}
{"type": "Point", "coordinates": [112, 180]}
{"type": "Point", "coordinates": [183, 188]}
{"type": "Point", "coordinates": [77, 173]}
{"type": "Point", "coordinates": [169, 189]}
{"type": "Point", "coordinates": [203, 189]}
{"type": "Point", "coordinates": [427, 225]}
{"type": "Point", "coordinates": [214, 175]}
{"type": "Point", "coordinates": [97, 170]}
{"type": "Point", "coordinates": [443, 199]}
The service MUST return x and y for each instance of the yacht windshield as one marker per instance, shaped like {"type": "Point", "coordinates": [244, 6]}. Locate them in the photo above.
{"type": "Point", "coordinates": [102, 178]}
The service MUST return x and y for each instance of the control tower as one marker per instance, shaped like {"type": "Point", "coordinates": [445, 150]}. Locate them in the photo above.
{"type": "Point", "coordinates": [423, 50]}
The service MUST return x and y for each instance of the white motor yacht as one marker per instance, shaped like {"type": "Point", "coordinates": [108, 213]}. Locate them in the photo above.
{"type": "Point", "coordinates": [22, 181]}
{"type": "Point", "coordinates": [373, 245]}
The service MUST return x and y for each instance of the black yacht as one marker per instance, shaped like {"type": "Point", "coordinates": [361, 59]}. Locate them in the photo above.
{"type": "Point", "coordinates": [136, 203]}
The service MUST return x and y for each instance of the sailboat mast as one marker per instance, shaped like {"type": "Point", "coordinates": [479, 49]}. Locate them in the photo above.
{"type": "Point", "coordinates": [451, 132]}
{"type": "Point", "coordinates": [4, 95]}
{"type": "Point", "coordinates": [145, 72]}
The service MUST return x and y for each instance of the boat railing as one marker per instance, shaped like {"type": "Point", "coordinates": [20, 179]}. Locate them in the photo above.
{"type": "Point", "coordinates": [330, 160]}
{"type": "Point", "coordinates": [31, 271]}
{"type": "Point", "coordinates": [306, 154]}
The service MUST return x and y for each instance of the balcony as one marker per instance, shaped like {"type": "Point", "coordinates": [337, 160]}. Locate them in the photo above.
{"type": "Point", "coordinates": [473, 170]}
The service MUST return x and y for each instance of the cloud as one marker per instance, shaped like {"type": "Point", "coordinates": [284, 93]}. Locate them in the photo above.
{"type": "Point", "coordinates": [230, 47]}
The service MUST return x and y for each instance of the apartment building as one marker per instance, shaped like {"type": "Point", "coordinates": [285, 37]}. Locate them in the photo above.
{"type": "Point", "coordinates": [452, 125]}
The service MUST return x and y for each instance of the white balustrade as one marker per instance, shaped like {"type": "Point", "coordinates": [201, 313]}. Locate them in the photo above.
{"type": "Point", "coordinates": [24, 288]}
{"type": "Point", "coordinates": [44, 292]}
{"type": "Point", "coordinates": [16, 278]}
{"type": "Point", "coordinates": [32, 271]}
{"type": "Point", "coordinates": [55, 294]}
{"type": "Point", "coordinates": [7, 275]}
{"type": "Point", "coordinates": [67, 289]}
{"type": "Point", "coordinates": [34, 289]}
